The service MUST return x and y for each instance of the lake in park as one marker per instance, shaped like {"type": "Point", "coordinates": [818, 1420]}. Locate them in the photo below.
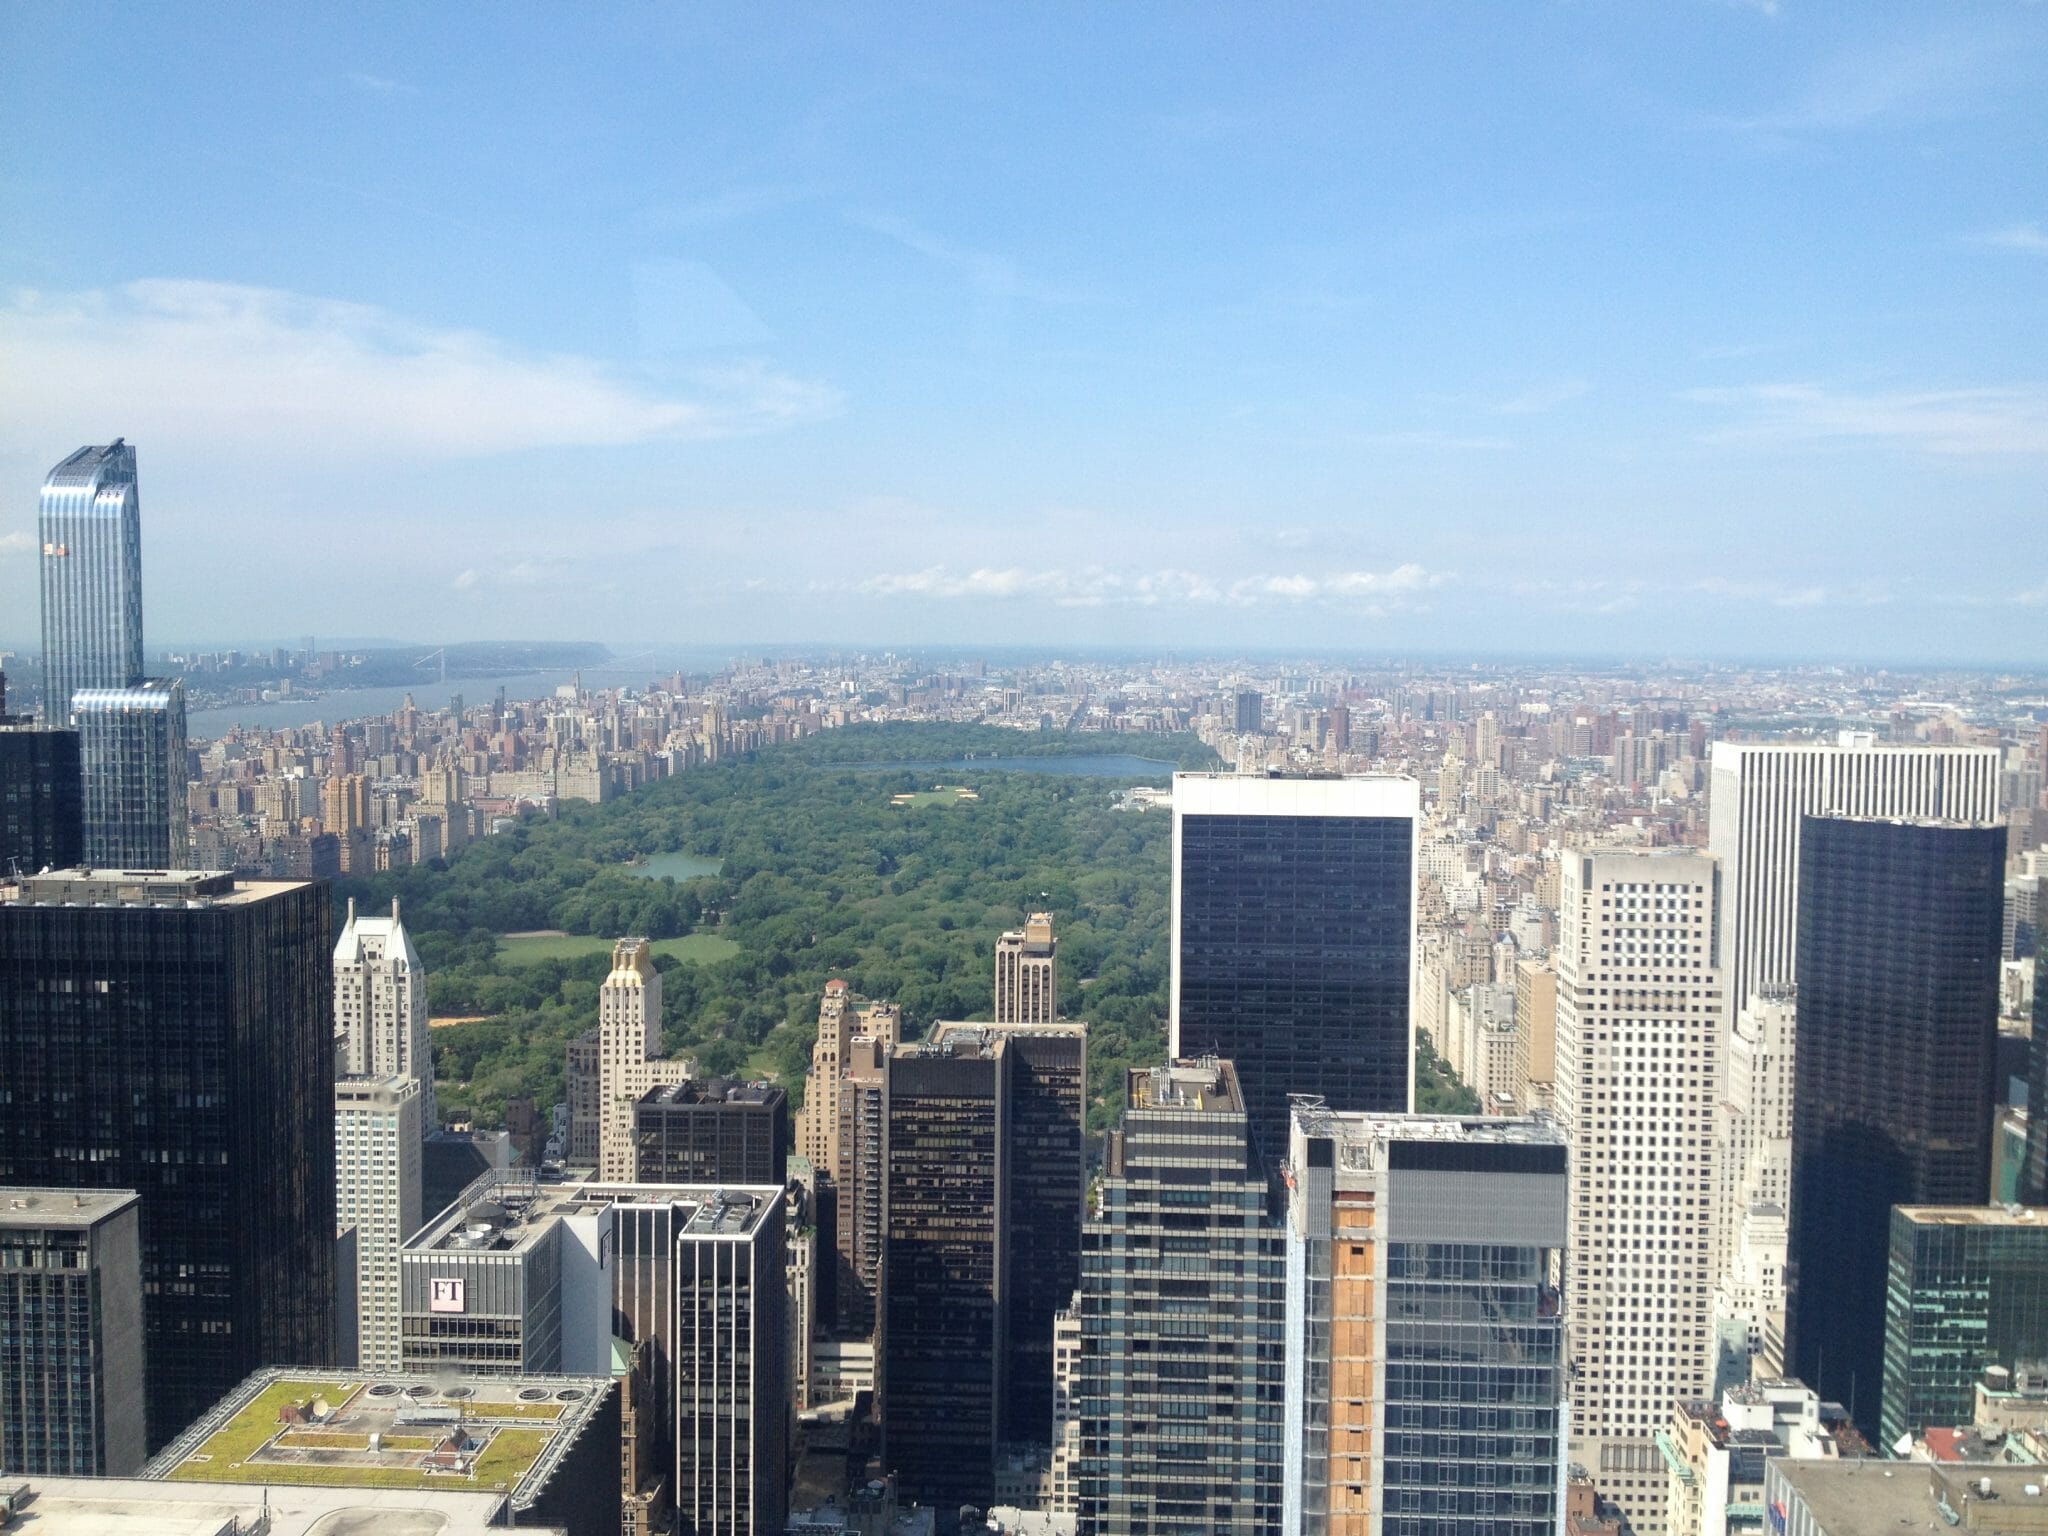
{"type": "Point", "coordinates": [675, 866]}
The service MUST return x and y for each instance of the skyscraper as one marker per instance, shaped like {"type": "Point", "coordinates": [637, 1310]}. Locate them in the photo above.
{"type": "Point", "coordinates": [171, 1034]}
{"type": "Point", "coordinates": [628, 1053]}
{"type": "Point", "coordinates": [1638, 1047]}
{"type": "Point", "coordinates": [940, 1346]}
{"type": "Point", "coordinates": [1761, 790]}
{"type": "Point", "coordinates": [377, 1157]}
{"type": "Point", "coordinates": [1899, 935]}
{"type": "Point", "coordinates": [1045, 1168]}
{"type": "Point", "coordinates": [712, 1132]}
{"type": "Point", "coordinates": [2034, 1176]}
{"type": "Point", "coordinates": [1182, 1305]}
{"type": "Point", "coordinates": [91, 530]}
{"type": "Point", "coordinates": [1294, 939]}
{"type": "Point", "coordinates": [1027, 978]}
{"type": "Point", "coordinates": [380, 1007]}
{"type": "Point", "coordinates": [131, 745]}
{"type": "Point", "coordinates": [1966, 1288]}
{"type": "Point", "coordinates": [42, 806]}
{"type": "Point", "coordinates": [71, 1351]}
{"type": "Point", "coordinates": [1425, 1340]}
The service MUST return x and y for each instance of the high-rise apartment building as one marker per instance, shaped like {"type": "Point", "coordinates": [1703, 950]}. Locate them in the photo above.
{"type": "Point", "coordinates": [2034, 1173]}
{"type": "Point", "coordinates": [1753, 1171]}
{"type": "Point", "coordinates": [582, 1089]}
{"type": "Point", "coordinates": [860, 1224]}
{"type": "Point", "coordinates": [1182, 1307]}
{"type": "Point", "coordinates": [1761, 790]}
{"type": "Point", "coordinates": [1027, 974]}
{"type": "Point", "coordinates": [380, 1007]}
{"type": "Point", "coordinates": [940, 1352]}
{"type": "Point", "coordinates": [377, 1155]}
{"type": "Point", "coordinates": [131, 747]}
{"type": "Point", "coordinates": [90, 525]}
{"type": "Point", "coordinates": [712, 1132]}
{"type": "Point", "coordinates": [1898, 1028]}
{"type": "Point", "coordinates": [1248, 712]}
{"type": "Point", "coordinates": [170, 1034]}
{"type": "Point", "coordinates": [1045, 1178]}
{"type": "Point", "coordinates": [628, 1053]}
{"type": "Point", "coordinates": [1535, 1033]}
{"type": "Point", "coordinates": [1293, 943]}
{"type": "Point", "coordinates": [1639, 1025]}
{"type": "Point", "coordinates": [1966, 1288]}
{"type": "Point", "coordinates": [71, 1348]}
{"type": "Point", "coordinates": [1425, 1337]}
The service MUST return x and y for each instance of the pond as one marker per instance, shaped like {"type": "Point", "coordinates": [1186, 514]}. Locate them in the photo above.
{"type": "Point", "coordinates": [675, 866]}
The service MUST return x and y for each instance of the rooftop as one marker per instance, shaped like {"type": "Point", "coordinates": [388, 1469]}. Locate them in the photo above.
{"type": "Point", "coordinates": [1207, 1084]}
{"type": "Point", "coordinates": [1363, 1138]}
{"type": "Point", "coordinates": [508, 1212]}
{"type": "Point", "coordinates": [88, 463]}
{"type": "Point", "coordinates": [487, 1434]}
{"type": "Point", "coordinates": [1975, 1215]}
{"type": "Point", "coordinates": [86, 887]}
{"type": "Point", "coordinates": [712, 1090]}
{"type": "Point", "coordinates": [1860, 1497]}
{"type": "Point", "coordinates": [41, 1208]}
{"type": "Point", "coordinates": [127, 1506]}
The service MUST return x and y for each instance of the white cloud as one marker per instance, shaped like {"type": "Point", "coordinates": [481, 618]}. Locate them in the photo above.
{"type": "Point", "coordinates": [241, 368]}
{"type": "Point", "coordinates": [1095, 586]}
{"type": "Point", "coordinates": [380, 85]}
{"type": "Point", "coordinates": [465, 581]}
{"type": "Point", "coordinates": [10, 543]}
{"type": "Point", "coordinates": [2030, 238]}
{"type": "Point", "coordinates": [1544, 397]}
{"type": "Point", "coordinates": [1991, 421]}
{"type": "Point", "coordinates": [2036, 598]}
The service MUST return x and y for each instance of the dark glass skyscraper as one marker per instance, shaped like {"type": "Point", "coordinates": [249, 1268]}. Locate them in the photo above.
{"type": "Point", "coordinates": [91, 529]}
{"type": "Point", "coordinates": [41, 810]}
{"type": "Point", "coordinates": [1294, 939]}
{"type": "Point", "coordinates": [172, 1036]}
{"type": "Point", "coordinates": [712, 1132]}
{"type": "Point", "coordinates": [1898, 967]}
{"type": "Point", "coordinates": [2034, 1176]}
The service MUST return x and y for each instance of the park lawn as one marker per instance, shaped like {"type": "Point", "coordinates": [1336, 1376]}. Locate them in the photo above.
{"type": "Point", "coordinates": [527, 949]}
{"type": "Point", "coordinates": [945, 794]}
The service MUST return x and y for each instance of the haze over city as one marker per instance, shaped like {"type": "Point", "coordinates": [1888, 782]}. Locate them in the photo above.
{"type": "Point", "coordinates": [1698, 329]}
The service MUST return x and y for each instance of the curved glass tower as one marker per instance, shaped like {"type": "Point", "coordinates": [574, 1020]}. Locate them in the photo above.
{"type": "Point", "coordinates": [91, 528]}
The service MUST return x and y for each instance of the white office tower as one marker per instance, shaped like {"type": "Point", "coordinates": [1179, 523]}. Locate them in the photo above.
{"type": "Point", "coordinates": [1761, 790]}
{"type": "Point", "coordinates": [628, 1047]}
{"type": "Point", "coordinates": [377, 1154]}
{"type": "Point", "coordinates": [1753, 1167]}
{"type": "Point", "coordinates": [1638, 1030]}
{"type": "Point", "coordinates": [380, 1007]}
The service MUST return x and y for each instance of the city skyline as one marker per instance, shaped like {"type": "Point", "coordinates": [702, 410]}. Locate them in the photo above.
{"type": "Point", "coordinates": [1717, 324]}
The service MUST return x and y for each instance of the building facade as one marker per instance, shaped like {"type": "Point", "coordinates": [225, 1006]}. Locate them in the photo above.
{"type": "Point", "coordinates": [629, 1059]}
{"type": "Point", "coordinates": [1425, 1355]}
{"type": "Point", "coordinates": [42, 805]}
{"type": "Point", "coordinates": [171, 1034]}
{"type": "Point", "coordinates": [131, 746]}
{"type": "Point", "coordinates": [71, 1346]}
{"type": "Point", "coordinates": [1181, 1318]}
{"type": "Point", "coordinates": [712, 1132]}
{"type": "Point", "coordinates": [1760, 792]}
{"type": "Point", "coordinates": [1639, 1026]}
{"type": "Point", "coordinates": [380, 1007]}
{"type": "Point", "coordinates": [90, 524]}
{"type": "Point", "coordinates": [1027, 973]}
{"type": "Point", "coordinates": [1966, 1288]}
{"type": "Point", "coordinates": [1898, 1028]}
{"type": "Point", "coordinates": [377, 1157]}
{"type": "Point", "coordinates": [1293, 941]}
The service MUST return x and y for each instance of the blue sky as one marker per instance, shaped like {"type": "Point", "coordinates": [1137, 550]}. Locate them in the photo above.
{"type": "Point", "coordinates": [1675, 329]}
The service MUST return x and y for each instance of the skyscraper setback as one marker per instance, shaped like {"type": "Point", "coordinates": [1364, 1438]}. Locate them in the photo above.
{"type": "Point", "coordinates": [1294, 939]}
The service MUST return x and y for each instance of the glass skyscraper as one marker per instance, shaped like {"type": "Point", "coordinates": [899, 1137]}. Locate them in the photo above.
{"type": "Point", "coordinates": [172, 1035]}
{"type": "Point", "coordinates": [91, 529]}
{"type": "Point", "coordinates": [1898, 962]}
{"type": "Point", "coordinates": [1182, 1320]}
{"type": "Point", "coordinates": [1294, 939]}
{"type": "Point", "coordinates": [132, 747]}
{"type": "Point", "coordinates": [1967, 1288]}
{"type": "Point", "coordinates": [1425, 1327]}
{"type": "Point", "coordinates": [2034, 1175]}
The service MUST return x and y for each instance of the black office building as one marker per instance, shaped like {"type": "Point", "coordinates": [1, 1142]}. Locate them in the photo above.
{"type": "Point", "coordinates": [2034, 1175]}
{"type": "Point", "coordinates": [712, 1132]}
{"type": "Point", "coordinates": [1898, 968]}
{"type": "Point", "coordinates": [172, 1034]}
{"type": "Point", "coordinates": [1294, 939]}
{"type": "Point", "coordinates": [42, 804]}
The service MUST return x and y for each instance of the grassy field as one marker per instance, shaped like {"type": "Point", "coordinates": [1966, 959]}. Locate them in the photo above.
{"type": "Point", "coordinates": [521, 949]}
